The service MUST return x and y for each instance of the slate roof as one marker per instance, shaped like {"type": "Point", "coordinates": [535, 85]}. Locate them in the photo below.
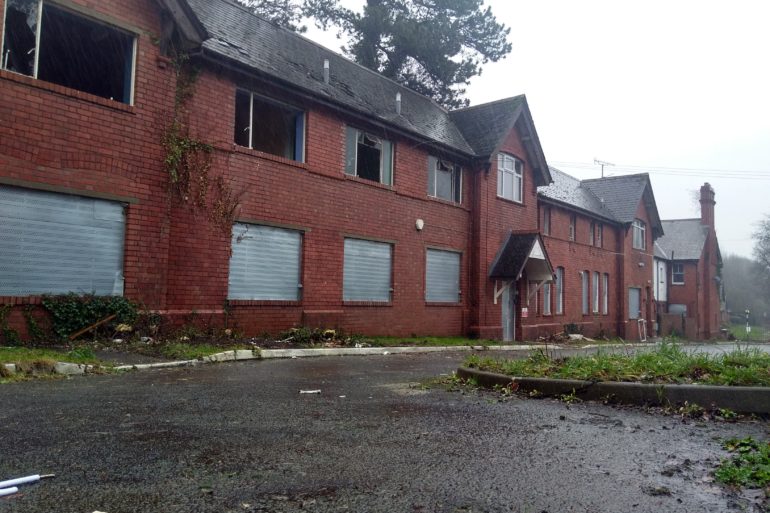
{"type": "Point", "coordinates": [684, 237]}
{"type": "Point", "coordinates": [614, 197]}
{"type": "Point", "coordinates": [568, 189]}
{"type": "Point", "coordinates": [621, 194]}
{"type": "Point", "coordinates": [235, 33]}
{"type": "Point", "coordinates": [484, 126]}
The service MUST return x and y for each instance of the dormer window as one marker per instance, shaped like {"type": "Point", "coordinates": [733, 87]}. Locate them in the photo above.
{"type": "Point", "coordinates": [52, 43]}
{"type": "Point", "coordinates": [510, 178]}
{"type": "Point", "coordinates": [368, 156]}
{"type": "Point", "coordinates": [444, 180]}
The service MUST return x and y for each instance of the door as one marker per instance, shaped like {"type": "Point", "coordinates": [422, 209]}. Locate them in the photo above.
{"type": "Point", "coordinates": [509, 312]}
{"type": "Point", "coordinates": [634, 303]}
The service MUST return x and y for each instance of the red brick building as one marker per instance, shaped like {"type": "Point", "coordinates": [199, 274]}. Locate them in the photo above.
{"type": "Point", "coordinates": [360, 204]}
{"type": "Point", "coordinates": [689, 278]}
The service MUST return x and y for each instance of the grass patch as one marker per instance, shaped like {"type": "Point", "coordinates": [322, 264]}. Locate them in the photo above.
{"type": "Point", "coordinates": [668, 363]}
{"type": "Point", "coordinates": [428, 341]}
{"type": "Point", "coordinates": [26, 355]}
{"type": "Point", "coordinates": [758, 333]}
{"type": "Point", "coordinates": [748, 466]}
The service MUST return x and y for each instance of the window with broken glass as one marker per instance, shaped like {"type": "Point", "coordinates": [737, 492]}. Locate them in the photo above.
{"type": "Point", "coordinates": [269, 126]}
{"type": "Point", "coordinates": [444, 180]}
{"type": "Point", "coordinates": [368, 156]}
{"type": "Point", "coordinates": [49, 42]}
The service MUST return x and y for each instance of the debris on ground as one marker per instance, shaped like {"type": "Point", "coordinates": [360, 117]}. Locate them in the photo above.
{"type": "Point", "coordinates": [309, 391]}
{"type": "Point", "coordinates": [10, 486]}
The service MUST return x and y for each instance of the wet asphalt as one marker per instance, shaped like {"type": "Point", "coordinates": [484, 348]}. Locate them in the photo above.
{"type": "Point", "coordinates": [239, 437]}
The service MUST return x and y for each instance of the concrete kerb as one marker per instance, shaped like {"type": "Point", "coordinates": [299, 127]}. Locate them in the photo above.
{"type": "Point", "coordinates": [737, 399]}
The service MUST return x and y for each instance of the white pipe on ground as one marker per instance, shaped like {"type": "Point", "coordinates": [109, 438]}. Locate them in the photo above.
{"type": "Point", "coordinates": [22, 480]}
{"type": "Point", "coordinates": [8, 491]}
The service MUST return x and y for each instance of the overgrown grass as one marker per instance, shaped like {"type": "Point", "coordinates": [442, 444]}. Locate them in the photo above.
{"type": "Point", "coordinates": [428, 341]}
{"type": "Point", "coordinates": [758, 333]}
{"type": "Point", "coordinates": [749, 465]}
{"type": "Point", "coordinates": [22, 355]}
{"type": "Point", "coordinates": [668, 363]}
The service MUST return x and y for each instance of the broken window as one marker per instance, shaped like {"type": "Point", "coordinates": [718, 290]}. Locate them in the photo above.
{"type": "Point", "coordinates": [269, 126]}
{"type": "Point", "coordinates": [368, 156]}
{"type": "Point", "coordinates": [57, 45]}
{"type": "Point", "coordinates": [444, 180]}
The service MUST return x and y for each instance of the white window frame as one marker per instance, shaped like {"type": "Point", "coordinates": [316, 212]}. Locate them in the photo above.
{"type": "Point", "coordinates": [605, 293]}
{"type": "Point", "coordinates": [639, 237]}
{"type": "Point", "coordinates": [595, 292]}
{"type": "Point", "coordinates": [512, 168]}
{"type": "Point", "coordinates": [547, 220]}
{"type": "Point", "coordinates": [674, 273]}
{"type": "Point", "coordinates": [559, 290]}
{"type": "Point", "coordinates": [40, 4]}
{"type": "Point", "coordinates": [547, 299]}
{"type": "Point", "coordinates": [585, 292]}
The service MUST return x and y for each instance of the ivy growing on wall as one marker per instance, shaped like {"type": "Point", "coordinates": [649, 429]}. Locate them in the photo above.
{"type": "Point", "coordinates": [188, 160]}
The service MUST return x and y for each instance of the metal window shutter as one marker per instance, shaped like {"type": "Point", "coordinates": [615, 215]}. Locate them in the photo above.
{"type": "Point", "coordinates": [366, 271]}
{"type": "Point", "coordinates": [265, 263]}
{"type": "Point", "coordinates": [53, 243]}
{"type": "Point", "coordinates": [442, 276]}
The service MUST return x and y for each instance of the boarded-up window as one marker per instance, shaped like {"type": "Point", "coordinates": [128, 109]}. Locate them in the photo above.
{"type": "Point", "coordinates": [442, 276]}
{"type": "Point", "coordinates": [54, 243]}
{"type": "Point", "coordinates": [367, 271]}
{"type": "Point", "coordinates": [68, 49]}
{"type": "Point", "coordinates": [265, 263]}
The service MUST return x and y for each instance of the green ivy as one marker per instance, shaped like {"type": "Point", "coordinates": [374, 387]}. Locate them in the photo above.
{"type": "Point", "coordinates": [72, 312]}
{"type": "Point", "coordinates": [10, 337]}
{"type": "Point", "coordinates": [36, 333]}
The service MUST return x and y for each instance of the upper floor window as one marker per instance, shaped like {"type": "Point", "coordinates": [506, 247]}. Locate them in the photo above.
{"type": "Point", "coordinates": [269, 126]}
{"type": "Point", "coordinates": [368, 156]}
{"type": "Point", "coordinates": [572, 223]}
{"type": "Point", "coordinates": [599, 235]}
{"type": "Point", "coordinates": [677, 273]}
{"type": "Point", "coordinates": [546, 220]}
{"type": "Point", "coordinates": [592, 234]}
{"type": "Point", "coordinates": [639, 235]}
{"type": "Point", "coordinates": [51, 43]}
{"type": "Point", "coordinates": [444, 180]}
{"type": "Point", "coordinates": [510, 177]}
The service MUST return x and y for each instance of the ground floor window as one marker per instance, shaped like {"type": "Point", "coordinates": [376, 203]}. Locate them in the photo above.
{"type": "Point", "coordinates": [265, 263]}
{"type": "Point", "coordinates": [442, 276]}
{"type": "Point", "coordinates": [584, 285]}
{"type": "Point", "coordinates": [559, 290]}
{"type": "Point", "coordinates": [547, 299]}
{"type": "Point", "coordinates": [367, 270]}
{"type": "Point", "coordinates": [53, 243]}
{"type": "Point", "coordinates": [605, 293]}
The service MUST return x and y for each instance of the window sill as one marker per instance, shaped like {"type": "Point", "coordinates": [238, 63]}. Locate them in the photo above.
{"type": "Point", "coordinates": [439, 303]}
{"type": "Point", "coordinates": [265, 156]}
{"type": "Point", "coordinates": [387, 304]}
{"type": "Point", "coordinates": [511, 201]}
{"type": "Point", "coordinates": [677, 283]}
{"type": "Point", "coordinates": [446, 202]}
{"type": "Point", "coordinates": [66, 91]}
{"type": "Point", "coordinates": [371, 183]}
{"type": "Point", "coordinates": [263, 302]}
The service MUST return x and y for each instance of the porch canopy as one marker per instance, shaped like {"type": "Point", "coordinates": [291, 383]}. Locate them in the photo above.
{"type": "Point", "coordinates": [520, 253]}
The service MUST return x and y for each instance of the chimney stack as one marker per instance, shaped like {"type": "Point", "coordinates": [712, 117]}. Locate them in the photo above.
{"type": "Point", "coordinates": [707, 205]}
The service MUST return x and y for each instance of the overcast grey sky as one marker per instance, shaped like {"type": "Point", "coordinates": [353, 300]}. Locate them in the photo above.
{"type": "Point", "coordinates": [680, 89]}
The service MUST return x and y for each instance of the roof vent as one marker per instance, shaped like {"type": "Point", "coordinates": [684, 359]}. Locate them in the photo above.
{"type": "Point", "coordinates": [326, 71]}
{"type": "Point", "coordinates": [398, 103]}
